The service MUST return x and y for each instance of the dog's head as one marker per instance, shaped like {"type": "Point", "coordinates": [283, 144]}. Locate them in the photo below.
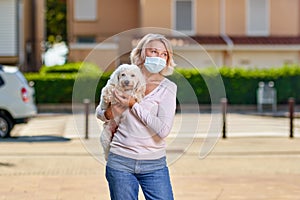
{"type": "Point", "coordinates": [128, 77]}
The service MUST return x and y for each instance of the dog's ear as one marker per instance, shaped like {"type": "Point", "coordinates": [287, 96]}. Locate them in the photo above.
{"type": "Point", "coordinates": [141, 89]}
{"type": "Point", "coordinates": [114, 77]}
{"type": "Point", "coordinates": [141, 84]}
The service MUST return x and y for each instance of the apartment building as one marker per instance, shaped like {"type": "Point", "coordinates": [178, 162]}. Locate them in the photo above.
{"type": "Point", "coordinates": [22, 33]}
{"type": "Point", "coordinates": [248, 33]}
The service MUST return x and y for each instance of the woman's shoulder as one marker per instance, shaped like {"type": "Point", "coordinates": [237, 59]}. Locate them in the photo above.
{"type": "Point", "coordinates": [167, 82]}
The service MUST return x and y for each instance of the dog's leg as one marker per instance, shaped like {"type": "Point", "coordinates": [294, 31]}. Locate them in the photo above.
{"type": "Point", "coordinates": [105, 139]}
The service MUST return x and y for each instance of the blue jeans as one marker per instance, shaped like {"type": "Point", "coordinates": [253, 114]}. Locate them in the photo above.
{"type": "Point", "coordinates": [124, 175]}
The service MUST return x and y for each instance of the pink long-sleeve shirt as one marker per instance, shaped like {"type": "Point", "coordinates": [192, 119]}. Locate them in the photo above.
{"type": "Point", "coordinates": [143, 128]}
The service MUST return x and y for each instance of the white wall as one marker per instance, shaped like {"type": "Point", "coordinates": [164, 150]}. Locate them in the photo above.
{"type": "Point", "coordinates": [262, 59]}
{"type": "Point", "coordinates": [199, 57]}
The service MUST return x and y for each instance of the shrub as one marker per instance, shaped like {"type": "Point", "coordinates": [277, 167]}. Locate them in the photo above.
{"type": "Point", "coordinates": [55, 84]}
{"type": "Point", "coordinates": [240, 84]}
{"type": "Point", "coordinates": [86, 68]}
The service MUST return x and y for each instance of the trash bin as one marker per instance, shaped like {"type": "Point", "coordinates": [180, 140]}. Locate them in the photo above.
{"type": "Point", "coordinates": [266, 95]}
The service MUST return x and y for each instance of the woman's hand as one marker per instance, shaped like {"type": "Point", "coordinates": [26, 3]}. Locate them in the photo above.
{"type": "Point", "coordinates": [113, 126]}
{"type": "Point", "coordinates": [124, 99]}
{"type": "Point", "coordinates": [114, 110]}
{"type": "Point", "coordinates": [117, 109]}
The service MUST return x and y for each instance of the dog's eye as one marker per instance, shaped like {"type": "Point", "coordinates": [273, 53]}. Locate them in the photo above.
{"type": "Point", "coordinates": [132, 75]}
{"type": "Point", "coordinates": [123, 74]}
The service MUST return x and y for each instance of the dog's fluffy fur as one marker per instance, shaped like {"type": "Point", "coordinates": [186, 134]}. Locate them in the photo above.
{"type": "Point", "coordinates": [126, 78]}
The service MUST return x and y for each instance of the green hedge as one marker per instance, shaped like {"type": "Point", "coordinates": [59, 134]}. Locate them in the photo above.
{"type": "Point", "coordinates": [56, 84]}
{"type": "Point", "coordinates": [240, 84]}
{"type": "Point", "coordinates": [71, 68]}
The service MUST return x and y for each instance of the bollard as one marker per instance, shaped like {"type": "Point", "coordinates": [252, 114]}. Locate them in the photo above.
{"type": "Point", "coordinates": [224, 111]}
{"type": "Point", "coordinates": [291, 115]}
{"type": "Point", "coordinates": [87, 112]}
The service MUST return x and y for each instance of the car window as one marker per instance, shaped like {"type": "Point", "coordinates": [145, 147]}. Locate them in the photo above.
{"type": "Point", "coordinates": [21, 77]}
{"type": "Point", "coordinates": [1, 81]}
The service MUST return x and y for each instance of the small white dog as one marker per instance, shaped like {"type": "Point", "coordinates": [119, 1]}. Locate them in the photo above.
{"type": "Point", "coordinates": [126, 78]}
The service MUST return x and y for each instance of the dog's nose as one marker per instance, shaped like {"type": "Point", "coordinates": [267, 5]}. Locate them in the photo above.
{"type": "Point", "coordinates": [126, 82]}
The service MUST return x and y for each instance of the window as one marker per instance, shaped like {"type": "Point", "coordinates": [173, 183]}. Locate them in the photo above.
{"type": "Point", "coordinates": [184, 16]}
{"type": "Point", "coordinates": [86, 39]}
{"type": "Point", "coordinates": [85, 10]}
{"type": "Point", "coordinates": [258, 17]}
{"type": "Point", "coordinates": [1, 81]}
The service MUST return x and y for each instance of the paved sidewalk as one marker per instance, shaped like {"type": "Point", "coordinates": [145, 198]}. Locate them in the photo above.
{"type": "Point", "coordinates": [185, 125]}
{"type": "Point", "coordinates": [56, 162]}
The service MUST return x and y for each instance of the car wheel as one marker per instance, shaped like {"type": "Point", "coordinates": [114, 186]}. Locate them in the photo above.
{"type": "Point", "coordinates": [5, 126]}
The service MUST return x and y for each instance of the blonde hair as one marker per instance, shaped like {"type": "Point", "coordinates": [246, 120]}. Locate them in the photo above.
{"type": "Point", "coordinates": [138, 55]}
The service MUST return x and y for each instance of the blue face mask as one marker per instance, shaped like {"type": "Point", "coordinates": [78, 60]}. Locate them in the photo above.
{"type": "Point", "coordinates": [155, 64]}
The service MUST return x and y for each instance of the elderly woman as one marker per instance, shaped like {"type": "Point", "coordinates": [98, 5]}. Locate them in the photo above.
{"type": "Point", "coordinates": [138, 149]}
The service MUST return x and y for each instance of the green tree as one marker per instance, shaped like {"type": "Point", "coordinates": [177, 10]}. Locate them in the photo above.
{"type": "Point", "coordinates": [56, 20]}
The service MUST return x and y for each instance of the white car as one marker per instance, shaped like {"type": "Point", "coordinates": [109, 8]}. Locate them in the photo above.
{"type": "Point", "coordinates": [16, 99]}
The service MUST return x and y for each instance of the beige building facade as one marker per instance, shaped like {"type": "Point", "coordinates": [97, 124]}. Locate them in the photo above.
{"type": "Point", "coordinates": [249, 33]}
{"type": "Point", "coordinates": [246, 33]}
